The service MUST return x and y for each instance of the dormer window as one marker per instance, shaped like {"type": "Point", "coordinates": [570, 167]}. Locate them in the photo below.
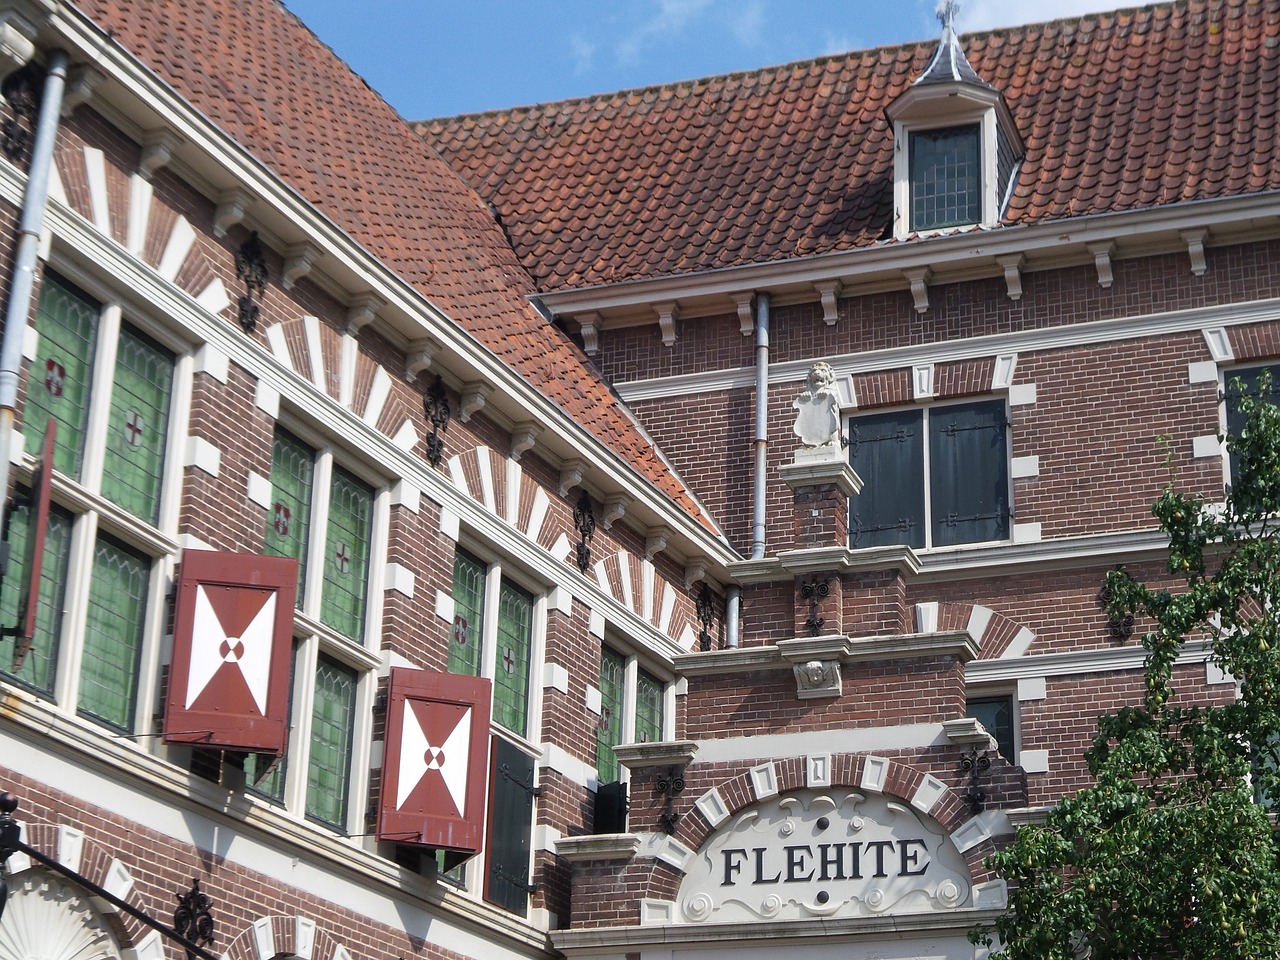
{"type": "Point", "coordinates": [955, 144]}
{"type": "Point", "coordinates": [946, 177]}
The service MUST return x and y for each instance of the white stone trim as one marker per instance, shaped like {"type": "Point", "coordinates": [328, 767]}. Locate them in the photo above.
{"type": "Point", "coordinates": [927, 795]}
{"type": "Point", "coordinates": [593, 700]}
{"type": "Point", "coordinates": [979, 619]}
{"type": "Point", "coordinates": [450, 524]}
{"type": "Point", "coordinates": [1002, 373]}
{"type": "Point", "coordinates": [971, 833]}
{"type": "Point", "coordinates": [1019, 645]}
{"type": "Point", "coordinates": [444, 606]}
{"type": "Point", "coordinates": [1219, 344]}
{"type": "Point", "coordinates": [1031, 689]}
{"type": "Point", "coordinates": [1202, 371]}
{"type": "Point", "coordinates": [1022, 467]}
{"type": "Point", "coordinates": [264, 938]}
{"type": "Point", "coordinates": [712, 807]}
{"type": "Point", "coordinates": [150, 947]}
{"type": "Point", "coordinates": [817, 770]}
{"type": "Point", "coordinates": [656, 912]}
{"type": "Point", "coordinates": [407, 495]}
{"type": "Point", "coordinates": [209, 359]}
{"type": "Point", "coordinates": [1214, 674]}
{"type": "Point", "coordinates": [764, 781]}
{"type": "Point", "coordinates": [595, 624]}
{"type": "Point", "coordinates": [304, 937]}
{"type": "Point", "coordinates": [1026, 533]}
{"type": "Point", "coordinates": [874, 772]}
{"type": "Point", "coordinates": [267, 399]}
{"type": "Point", "coordinates": [399, 578]}
{"type": "Point", "coordinates": [203, 455]}
{"type": "Point", "coordinates": [922, 382]}
{"type": "Point", "coordinates": [258, 489]}
{"type": "Point", "coordinates": [1034, 761]}
{"type": "Point", "coordinates": [557, 758]}
{"type": "Point", "coordinates": [927, 617]}
{"type": "Point", "coordinates": [1022, 394]}
{"type": "Point", "coordinates": [555, 677]}
{"type": "Point", "coordinates": [1206, 447]}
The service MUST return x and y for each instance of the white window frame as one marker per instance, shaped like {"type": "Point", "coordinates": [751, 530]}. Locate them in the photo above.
{"type": "Point", "coordinates": [312, 638]}
{"type": "Point", "coordinates": [632, 664]}
{"type": "Point", "coordinates": [94, 515]}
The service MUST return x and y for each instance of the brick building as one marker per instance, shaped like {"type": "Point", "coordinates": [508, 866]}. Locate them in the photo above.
{"type": "Point", "coordinates": [751, 448]}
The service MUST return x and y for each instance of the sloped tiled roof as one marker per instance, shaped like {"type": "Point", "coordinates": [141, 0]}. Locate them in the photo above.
{"type": "Point", "coordinates": [252, 68]}
{"type": "Point", "coordinates": [1120, 111]}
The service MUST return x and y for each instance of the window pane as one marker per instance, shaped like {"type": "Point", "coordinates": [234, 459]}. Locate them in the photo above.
{"type": "Point", "coordinates": [256, 765]}
{"type": "Point", "coordinates": [468, 615]}
{"type": "Point", "coordinates": [346, 564]}
{"type": "Point", "coordinates": [67, 322]}
{"type": "Point", "coordinates": [649, 702]}
{"type": "Point", "coordinates": [37, 669]}
{"type": "Point", "coordinates": [510, 823]}
{"type": "Point", "coordinates": [996, 715]}
{"type": "Point", "coordinates": [138, 425]}
{"type": "Point", "coordinates": [945, 178]}
{"type": "Point", "coordinates": [1248, 387]}
{"type": "Point", "coordinates": [292, 473]}
{"type": "Point", "coordinates": [511, 675]}
{"type": "Point", "coordinates": [332, 723]}
{"type": "Point", "coordinates": [969, 473]}
{"type": "Point", "coordinates": [609, 729]}
{"type": "Point", "coordinates": [113, 633]}
{"type": "Point", "coordinates": [887, 452]}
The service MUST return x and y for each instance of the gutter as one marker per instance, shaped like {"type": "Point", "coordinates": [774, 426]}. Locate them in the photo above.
{"type": "Point", "coordinates": [34, 201]}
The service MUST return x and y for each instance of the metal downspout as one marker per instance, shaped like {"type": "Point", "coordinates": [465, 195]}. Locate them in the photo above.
{"type": "Point", "coordinates": [762, 425]}
{"type": "Point", "coordinates": [34, 200]}
{"type": "Point", "coordinates": [733, 599]}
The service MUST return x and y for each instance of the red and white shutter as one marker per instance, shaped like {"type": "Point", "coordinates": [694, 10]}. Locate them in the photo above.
{"type": "Point", "coordinates": [232, 645]}
{"type": "Point", "coordinates": [435, 764]}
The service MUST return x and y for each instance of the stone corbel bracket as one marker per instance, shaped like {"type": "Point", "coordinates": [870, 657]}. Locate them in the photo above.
{"type": "Point", "coordinates": [1102, 254]}
{"type": "Point", "coordinates": [694, 570]}
{"type": "Point", "coordinates": [473, 397]}
{"type": "Point", "coordinates": [668, 313]}
{"type": "Point", "coordinates": [361, 311]}
{"type": "Point", "coordinates": [615, 508]}
{"type": "Point", "coordinates": [232, 206]}
{"type": "Point", "coordinates": [18, 34]}
{"type": "Point", "coordinates": [523, 437]}
{"type": "Point", "coordinates": [589, 325]}
{"type": "Point", "coordinates": [816, 664]}
{"type": "Point", "coordinates": [1012, 266]}
{"type": "Point", "coordinates": [829, 292]}
{"type": "Point", "coordinates": [157, 151]}
{"type": "Point", "coordinates": [82, 80]}
{"type": "Point", "coordinates": [918, 278]}
{"type": "Point", "coordinates": [746, 318]}
{"type": "Point", "coordinates": [418, 357]}
{"type": "Point", "coordinates": [571, 473]}
{"type": "Point", "coordinates": [1195, 239]}
{"type": "Point", "coordinates": [298, 261]}
{"type": "Point", "coordinates": [656, 541]}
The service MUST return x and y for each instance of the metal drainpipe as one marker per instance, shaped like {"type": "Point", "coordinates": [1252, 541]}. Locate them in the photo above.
{"type": "Point", "coordinates": [34, 201]}
{"type": "Point", "coordinates": [762, 424]}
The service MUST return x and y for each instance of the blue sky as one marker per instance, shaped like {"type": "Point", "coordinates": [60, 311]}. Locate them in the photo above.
{"type": "Point", "coordinates": [432, 58]}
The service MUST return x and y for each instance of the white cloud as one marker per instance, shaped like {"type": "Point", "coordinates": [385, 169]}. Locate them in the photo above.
{"type": "Point", "coordinates": [584, 53]}
{"type": "Point", "coordinates": [747, 23]}
{"type": "Point", "coordinates": [990, 14]}
{"type": "Point", "coordinates": [667, 22]}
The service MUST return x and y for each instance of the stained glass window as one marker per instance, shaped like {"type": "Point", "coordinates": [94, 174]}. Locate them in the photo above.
{"type": "Point", "coordinates": [113, 634]}
{"type": "Point", "coordinates": [138, 425]}
{"type": "Point", "coordinates": [612, 704]}
{"type": "Point", "coordinates": [332, 723]}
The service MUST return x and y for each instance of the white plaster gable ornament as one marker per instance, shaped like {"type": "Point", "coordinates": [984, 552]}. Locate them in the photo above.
{"type": "Point", "coordinates": [818, 409]}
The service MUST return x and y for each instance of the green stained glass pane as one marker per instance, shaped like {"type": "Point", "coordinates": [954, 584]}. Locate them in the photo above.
{"type": "Point", "coordinates": [292, 472]}
{"type": "Point", "coordinates": [511, 674]}
{"type": "Point", "coordinates": [468, 615]}
{"type": "Point", "coordinates": [346, 563]}
{"type": "Point", "coordinates": [609, 728]}
{"type": "Point", "coordinates": [256, 765]}
{"type": "Point", "coordinates": [138, 425]}
{"type": "Point", "coordinates": [37, 667]}
{"type": "Point", "coordinates": [332, 724]}
{"type": "Point", "coordinates": [113, 634]}
{"type": "Point", "coordinates": [58, 388]}
{"type": "Point", "coordinates": [650, 696]}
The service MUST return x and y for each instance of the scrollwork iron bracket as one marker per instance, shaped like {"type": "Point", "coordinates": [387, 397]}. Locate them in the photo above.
{"type": "Point", "coordinates": [193, 917]}
{"type": "Point", "coordinates": [670, 784]}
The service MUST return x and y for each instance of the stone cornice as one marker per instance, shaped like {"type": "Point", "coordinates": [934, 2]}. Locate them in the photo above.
{"type": "Point", "coordinates": [852, 650]}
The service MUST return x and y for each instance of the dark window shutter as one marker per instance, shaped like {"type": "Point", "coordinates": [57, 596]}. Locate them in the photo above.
{"type": "Point", "coordinates": [969, 473]}
{"type": "Point", "coordinates": [887, 452]}
{"type": "Point", "coordinates": [510, 824]}
{"type": "Point", "coordinates": [996, 715]}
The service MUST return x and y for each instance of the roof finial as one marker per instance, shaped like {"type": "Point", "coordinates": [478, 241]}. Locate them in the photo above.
{"type": "Point", "coordinates": [946, 13]}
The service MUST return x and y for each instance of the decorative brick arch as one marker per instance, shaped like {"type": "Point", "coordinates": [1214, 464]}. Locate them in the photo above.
{"type": "Point", "coordinates": [997, 636]}
{"type": "Point", "coordinates": [121, 207]}
{"type": "Point", "coordinates": [94, 862]}
{"type": "Point", "coordinates": [281, 936]}
{"type": "Point", "coordinates": [659, 879]}
{"type": "Point", "coordinates": [334, 364]}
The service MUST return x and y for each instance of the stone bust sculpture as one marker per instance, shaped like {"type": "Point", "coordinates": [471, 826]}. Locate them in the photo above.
{"type": "Point", "coordinates": [818, 408]}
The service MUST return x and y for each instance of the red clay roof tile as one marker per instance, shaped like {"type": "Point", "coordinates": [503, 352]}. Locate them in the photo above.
{"type": "Point", "coordinates": [1118, 111]}
{"type": "Point", "coordinates": [252, 68]}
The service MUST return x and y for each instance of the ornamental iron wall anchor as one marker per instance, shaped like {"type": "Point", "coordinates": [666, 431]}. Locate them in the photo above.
{"type": "Point", "coordinates": [669, 783]}
{"type": "Point", "coordinates": [192, 919]}
{"type": "Point", "coordinates": [22, 91]}
{"type": "Point", "coordinates": [251, 268]}
{"type": "Point", "coordinates": [975, 763]}
{"type": "Point", "coordinates": [814, 590]}
{"type": "Point", "coordinates": [435, 404]}
{"type": "Point", "coordinates": [584, 519]}
{"type": "Point", "coordinates": [706, 612]}
{"type": "Point", "coordinates": [1120, 626]}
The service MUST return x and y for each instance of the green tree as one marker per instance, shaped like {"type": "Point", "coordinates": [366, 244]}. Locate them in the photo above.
{"type": "Point", "coordinates": [1170, 852]}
